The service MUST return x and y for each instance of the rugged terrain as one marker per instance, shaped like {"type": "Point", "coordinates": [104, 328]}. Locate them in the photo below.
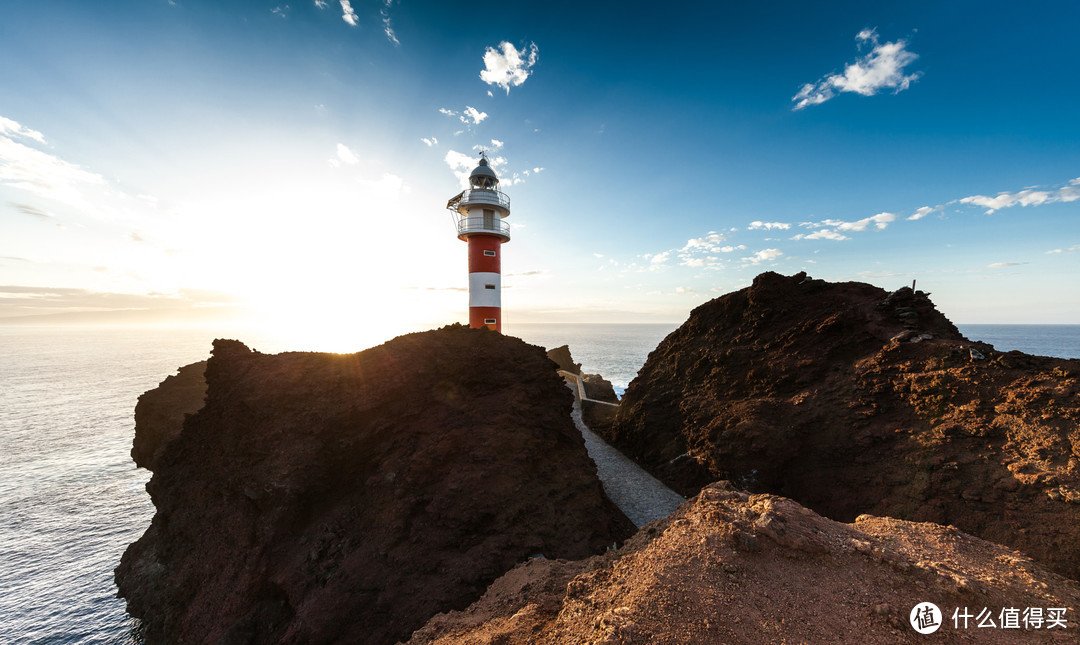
{"type": "Point", "coordinates": [733, 568]}
{"type": "Point", "coordinates": [851, 399]}
{"type": "Point", "coordinates": [321, 498]}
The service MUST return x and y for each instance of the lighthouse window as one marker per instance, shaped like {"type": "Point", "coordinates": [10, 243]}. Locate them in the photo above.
{"type": "Point", "coordinates": [489, 321]}
{"type": "Point", "coordinates": [489, 219]}
{"type": "Point", "coordinates": [490, 254]}
{"type": "Point", "coordinates": [489, 286]}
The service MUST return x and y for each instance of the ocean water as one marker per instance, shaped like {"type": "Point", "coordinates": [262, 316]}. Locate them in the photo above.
{"type": "Point", "coordinates": [1061, 341]}
{"type": "Point", "coordinates": [71, 500]}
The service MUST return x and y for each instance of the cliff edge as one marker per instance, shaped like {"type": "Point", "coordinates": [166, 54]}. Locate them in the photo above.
{"type": "Point", "coordinates": [732, 568]}
{"type": "Point", "coordinates": [347, 498]}
{"type": "Point", "coordinates": [851, 399]}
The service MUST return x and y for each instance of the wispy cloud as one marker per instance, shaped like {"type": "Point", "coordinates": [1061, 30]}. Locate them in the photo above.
{"type": "Point", "coordinates": [882, 68]}
{"type": "Point", "coordinates": [33, 211]}
{"type": "Point", "coordinates": [768, 226]}
{"type": "Point", "coordinates": [1070, 192]}
{"type": "Point", "coordinates": [430, 142]}
{"type": "Point", "coordinates": [321, 4]}
{"type": "Point", "coordinates": [344, 155]}
{"type": "Point", "coordinates": [764, 255]}
{"type": "Point", "coordinates": [468, 116]}
{"type": "Point", "coordinates": [13, 128]}
{"type": "Point", "coordinates": [508, 67]}
{"type": "Point", "coordinates": [348, 14]}
{"type": "Point", "coordinates": [709, 242]}
{"type": "Point", "coordinates": [461, 165]}
{"type": "Point", "coordinates": [39, 172]}
{"type": "Point", "coordinates": [387, 28]}
{"type": "Point", "coordinates": [923, 212]}
{"type": "Point", "coordinates": [496, 144]}
{"type": "Point", "coordinates": [1075, 247]}
{"type": "Point", "coordinates": [280, 11]}
{"type": "Point", "coordinates": [831, 227]}
{"type": "Point", "coordinates": [1002, 265]}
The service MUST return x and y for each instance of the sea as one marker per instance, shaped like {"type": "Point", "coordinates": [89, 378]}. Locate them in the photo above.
{"type": "Point", "coordinates": [71, 499]}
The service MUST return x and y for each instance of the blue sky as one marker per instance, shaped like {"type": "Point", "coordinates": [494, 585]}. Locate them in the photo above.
{"type": "Point", "coordinates": [291, 161]}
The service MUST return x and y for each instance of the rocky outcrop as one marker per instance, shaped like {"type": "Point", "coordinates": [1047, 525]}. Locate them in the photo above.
{"type": "Point", "coordinates": [854, 400]}
{"type": "Point", "coordinates": [735, 568]}
{"type": "Point", "coordinates": [160, 413]}
{"type": "Point", "coordinates": [599, 388]}
{"type": "Point", "coordinates": [321, 498]}
{"type": "Point", "coordinates": [561, 356]}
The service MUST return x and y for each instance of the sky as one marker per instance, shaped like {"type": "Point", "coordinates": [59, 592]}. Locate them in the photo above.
{"type": "Point", "coordinates": [289, 164]}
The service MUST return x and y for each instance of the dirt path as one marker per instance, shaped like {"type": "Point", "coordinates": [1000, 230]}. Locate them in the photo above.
{"type": "Point", "coordinates": [639, 495]}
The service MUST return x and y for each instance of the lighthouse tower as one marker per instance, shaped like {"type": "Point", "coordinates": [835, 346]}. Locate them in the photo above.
{"type": "Point", "coordinates": [479, 212]}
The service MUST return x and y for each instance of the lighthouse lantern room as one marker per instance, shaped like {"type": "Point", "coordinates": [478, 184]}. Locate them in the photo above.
{"type": "Point", "coordinates": [479, 212]}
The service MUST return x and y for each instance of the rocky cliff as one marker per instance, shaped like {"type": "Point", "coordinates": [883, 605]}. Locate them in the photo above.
{"type": "Point", "coordinates": [160, 412]}
{"type": "Point", "coordinates": [738, 569]}
{"type": "Point", "coordinates": [852, 400]}
{"type": "Point", "coordinates": [321, 498]}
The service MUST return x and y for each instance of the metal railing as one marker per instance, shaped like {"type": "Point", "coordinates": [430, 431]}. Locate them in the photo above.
{"type": "Point", "coordinates": [478, 225]}
{"type": "Point", "coordinates": [484, 196]}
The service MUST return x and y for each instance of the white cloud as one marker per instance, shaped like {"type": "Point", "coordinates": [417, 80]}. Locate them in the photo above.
{"type": "Point", "coordinates": [280, 11]}
{"type": "Point", "coordinates": [344, 155]}
{"type": "Point", "coordinates": [880, 221]}
{"type": "Point", "coordinates": [461, 165]}
{"type": "Point", "coordinates": [38, 172]}
{"type": "Point", "coordinates": [709, 242]}
{"type": "Point", "coordinates": [923, 212]}
{"type": "Point", "coordinates": [823, 234]}
{"type": "Point", "coordinates": [763, 255]}
{"type": "Point", "coordinates": [7, 126]}
{"type": "Point", "coordinates": [430, 142]}
{"type": "Point", "coordinates": [882, 68]}
{"type": "Point", "coordinates": [1000, 265]}
{"type": "Point", "coordinates": [321, 4]}
{"type": "Point", "coordinates": [1068, 250]}
{"type": "Point", "coordinates": [507, 67]}
{"type": "Point", "coordinates": [472, 113]}
{"type": "Point", "coordinates": [466, 116]}
{"type": "Point", "coordinates": [729, 249]}
{"type": "Point", "coordinates": [496, 144]}
{"type": "Point", "coordinates": [387, 28]}
{"type": "Point", "coordinates": [660, 258]}
{"type": "Point", "coordinates": [1027, 197]}
{"type": "Point", "coordinates": [693, 262]}
{"type": "Point", "coordinates": [769, 225]}
{"type": "Point", "coordinates": [348, 14]}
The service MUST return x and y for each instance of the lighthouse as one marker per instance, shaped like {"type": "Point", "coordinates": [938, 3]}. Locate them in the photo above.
{"type": "Point", "coordinates": [479, 212]}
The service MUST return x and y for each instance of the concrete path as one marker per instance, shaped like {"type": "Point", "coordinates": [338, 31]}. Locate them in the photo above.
{"type": "Point", "coordinates": [640, 496]}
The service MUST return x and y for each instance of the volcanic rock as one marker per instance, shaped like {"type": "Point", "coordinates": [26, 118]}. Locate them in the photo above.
{"type": "Point", "coordinates": [736, 568]}
{"type": "Point", "coordinates": [561, 356]}
{"type": "Point", "coordinates": [599, 388]}
{"type": "Point", "coordinates": [160, 413]}
{"type": "Point", "coordinates": [820, 392]}
{"type": "Point", "coordinates": [322, 498]}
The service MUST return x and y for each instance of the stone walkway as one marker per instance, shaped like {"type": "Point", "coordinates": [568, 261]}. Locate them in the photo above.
{"type": "Point", "coordinates": [640, 496]}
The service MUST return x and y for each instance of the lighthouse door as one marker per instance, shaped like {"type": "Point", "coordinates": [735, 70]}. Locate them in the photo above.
{"type": "Point", "coordinates": [489, 219]}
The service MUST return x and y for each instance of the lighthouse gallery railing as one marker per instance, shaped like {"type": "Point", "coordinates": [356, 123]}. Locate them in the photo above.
{"type": "Point", "coordinates": [478, 225]}
{"type": "Point", "coordinates": [479, 196]}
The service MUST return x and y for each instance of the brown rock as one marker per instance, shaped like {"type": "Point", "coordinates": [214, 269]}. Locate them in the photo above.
{"type": "Point", "coordinates": [160, 413]}
{"type": "Point", "coordinates": [562, 358]}
{"type": "Point", "coordinates": [803, 388]}
{"type": "Point", "coordinates": [682, 582]}
{"type": "Point", "coordinates": [321, 498]}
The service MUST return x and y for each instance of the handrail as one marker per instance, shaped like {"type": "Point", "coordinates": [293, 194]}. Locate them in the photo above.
{"type": "Point", "coordinates": [477, 224]}
{"type": "Point", "coordinates": [484, 196]}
